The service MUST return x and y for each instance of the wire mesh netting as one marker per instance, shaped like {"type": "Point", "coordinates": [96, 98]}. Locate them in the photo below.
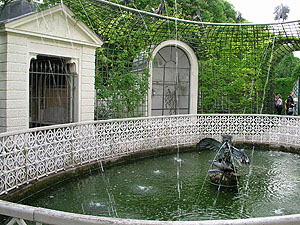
{"type": "Point", "coordinates": [235, 61]}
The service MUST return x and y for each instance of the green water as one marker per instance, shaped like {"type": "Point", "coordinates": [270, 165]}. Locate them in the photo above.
{"type": "Point", "coordinates": [177, 188]}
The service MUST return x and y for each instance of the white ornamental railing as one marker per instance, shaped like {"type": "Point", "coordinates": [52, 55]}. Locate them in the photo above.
{"type": "Point", "coordinates": [26, 156]}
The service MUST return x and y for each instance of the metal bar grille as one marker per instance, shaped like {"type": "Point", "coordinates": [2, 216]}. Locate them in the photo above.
{"type": "Point", "coordinates": [51, 92]}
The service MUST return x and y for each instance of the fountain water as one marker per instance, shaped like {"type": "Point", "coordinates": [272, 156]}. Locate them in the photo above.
{"type": "Point", "coordinates": [248, 180]}
{"type": "Point", "coordinates": [147, 189]}
{"type": "Point", "coordinates": [268, 74]}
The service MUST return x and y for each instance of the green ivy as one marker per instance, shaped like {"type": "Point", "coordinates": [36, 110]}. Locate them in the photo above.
{"type": "Point", "coordinates": [232, 69]}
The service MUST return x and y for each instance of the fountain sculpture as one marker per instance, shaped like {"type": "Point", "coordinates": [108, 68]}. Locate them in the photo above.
{"type": "Point", "coordinates": [227, 157]}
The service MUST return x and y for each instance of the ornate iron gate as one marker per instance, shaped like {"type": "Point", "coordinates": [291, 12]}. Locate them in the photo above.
{"type": "Point", "coordinates": [51, 85]}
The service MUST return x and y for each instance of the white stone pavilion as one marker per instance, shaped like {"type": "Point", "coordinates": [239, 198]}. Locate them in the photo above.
{"type": "Point", "coordinates": [47, 67]}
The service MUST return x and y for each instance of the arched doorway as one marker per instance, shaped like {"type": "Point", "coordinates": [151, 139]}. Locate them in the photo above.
{"type": "Point", "coordinates": [174, 80]}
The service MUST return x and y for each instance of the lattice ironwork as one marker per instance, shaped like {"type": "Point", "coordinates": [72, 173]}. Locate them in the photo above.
{"type": "Point", "coordinates": [225, 52]}
{"type": "Point", "coordinates": [27, 156]}
{"type": "Point", "coordinates": [31, 155]}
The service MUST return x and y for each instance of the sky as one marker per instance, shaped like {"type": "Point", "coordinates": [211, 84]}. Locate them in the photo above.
{"type": "Point", "coordinates": [261, 11]}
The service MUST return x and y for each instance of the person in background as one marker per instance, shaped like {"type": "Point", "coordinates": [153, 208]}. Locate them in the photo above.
{"type": "Point", "coordinates": [295, 99]}
{"type": "Point", "coordinates": [289, 105]}
{"type": "Point", "coordinates": [278, 104]}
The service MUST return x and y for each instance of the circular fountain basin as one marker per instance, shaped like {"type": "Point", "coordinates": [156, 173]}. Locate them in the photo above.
{"type": "Point", "coordinates": [176, 187]}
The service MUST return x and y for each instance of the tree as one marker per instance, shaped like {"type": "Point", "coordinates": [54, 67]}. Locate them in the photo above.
{"type": "Point", "coordinates": [218, 11]}
{"type": "Point", "coordinates": [286, 65]}
{"type": "Point", "coordinates": [287, 72]}
{"type": "Point", "coordinates": [281, 12]}
{"type": "Point", "coordinates": [296, 72]}
{"type": "Point", "coordinates": [228, 78]}
{"type": "Point", "coordinates": [5, 1]}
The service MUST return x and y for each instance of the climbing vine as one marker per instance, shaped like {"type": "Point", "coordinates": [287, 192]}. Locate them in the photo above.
{"type": "Point", "coordinates": [235, 75]}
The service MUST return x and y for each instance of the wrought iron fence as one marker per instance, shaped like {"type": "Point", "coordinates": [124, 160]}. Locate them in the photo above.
{"type": "Point", "coordinates": [32, 154]}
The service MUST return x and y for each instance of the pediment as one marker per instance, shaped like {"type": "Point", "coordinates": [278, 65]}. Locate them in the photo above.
{"type": "Point", "coordinates": [56, 23]}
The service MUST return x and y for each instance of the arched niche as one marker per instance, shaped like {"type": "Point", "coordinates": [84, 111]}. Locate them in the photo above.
{"type": "Point", "coordinates": [173, 79]}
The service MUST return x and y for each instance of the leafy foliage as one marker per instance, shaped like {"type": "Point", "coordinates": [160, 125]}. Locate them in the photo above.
{"type": "Point", "coordinates": [114, 79]}
{"type": "Point", "coordinates": [218, 11]}
{"type": "Point", "coordinates": [284, 85]}
{"type": "Point", "coordinates": [286, 72]}
{"type": "Point", "coordinates": [235, 74]}
{"type": "Point", "coordinates": [284, 69]}
{"type": "Point", "coordinates": [296, 70]}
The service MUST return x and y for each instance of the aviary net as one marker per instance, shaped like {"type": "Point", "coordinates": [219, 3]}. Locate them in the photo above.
{"type": "Point", "coordinates": [236, 61]}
